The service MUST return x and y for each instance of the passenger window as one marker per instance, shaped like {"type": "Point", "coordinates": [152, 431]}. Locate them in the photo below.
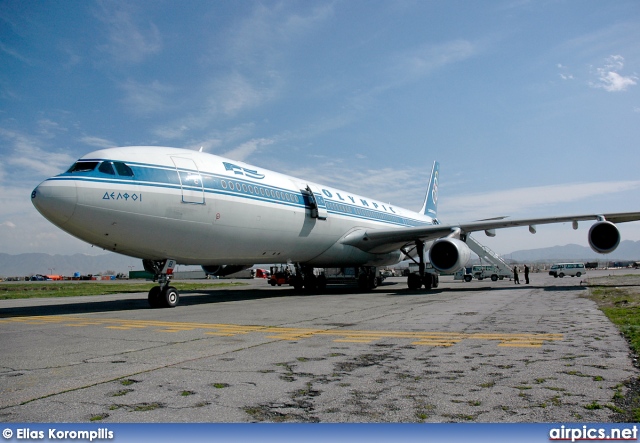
{"type": "Point", "coordinates": [123, 169]}
{"type": "Point", "coordinates": [83, 167]}
{"type": "Point", "coordinates": [106, 168]}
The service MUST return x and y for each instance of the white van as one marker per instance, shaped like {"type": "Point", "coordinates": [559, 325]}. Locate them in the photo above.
{"type": "Point", "coordinates": [572, 269]}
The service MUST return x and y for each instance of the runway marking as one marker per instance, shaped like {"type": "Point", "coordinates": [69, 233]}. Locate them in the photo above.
{"type": "Point", "coordinates": [418, 338]}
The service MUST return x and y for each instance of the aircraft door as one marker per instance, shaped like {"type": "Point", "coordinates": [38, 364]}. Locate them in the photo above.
{"type": "Point", "coordinates": [191, 181]}
{"type": "Point", "coordinates": [316, 202]}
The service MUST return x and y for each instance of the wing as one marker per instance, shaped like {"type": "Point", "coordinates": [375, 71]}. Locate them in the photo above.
{"type": "Point", "coordinates": [387, 240]}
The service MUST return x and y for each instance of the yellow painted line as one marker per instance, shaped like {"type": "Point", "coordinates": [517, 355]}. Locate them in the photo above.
{"type": "Point", "coordinates": [435, 343]}
{"type": "Point", "coordinates": [420, 338]}
{"type": "Point", "coordinates": [353, 340]}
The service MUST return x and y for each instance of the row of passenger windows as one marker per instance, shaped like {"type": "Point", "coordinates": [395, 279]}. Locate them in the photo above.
{"type": "Point", "coordinates": [281, 195]}
{"type": "Point", "coordinates": [365, 212]}
{"type": "Point", "coordinates": [104, 167]}
{"type": "Point", "coordinates": [259, 190]}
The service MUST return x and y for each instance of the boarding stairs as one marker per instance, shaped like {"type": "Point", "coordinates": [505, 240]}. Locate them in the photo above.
{"type": "Point", "coordinates": [484, 253]}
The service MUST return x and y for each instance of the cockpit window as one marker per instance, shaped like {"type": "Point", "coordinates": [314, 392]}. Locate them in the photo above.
{"type": "Point", "coordinates": [106, 168]}
{"type": "Point", "coordinates": [123, 169]}
{"type": "Point", "coordinates": [83, 167]}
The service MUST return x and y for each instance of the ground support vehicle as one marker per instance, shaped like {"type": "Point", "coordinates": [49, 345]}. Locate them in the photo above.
{"type": "Point", "coordinates": [567, 269]}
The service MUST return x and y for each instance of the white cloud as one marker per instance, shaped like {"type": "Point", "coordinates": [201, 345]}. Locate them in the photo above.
{"type": "Point", "coordinates": [528, 200]}
{"type": "Point", "coordinates": [564, 72]}
{"type": "Point", "coordinates": [97, 142]}
{"type": "Point", "coordinates": [29, 156]}
{"type": "Point", "coordinates": [146, 99]}
{"type": "Point", "coordinates": [128, 41]}
{"type": "Point", "coordinates": [609, 78]}
{"type": "Point", "coordinates": [247, 149]}
{"type": "Point", "coordinates": [237, 93]}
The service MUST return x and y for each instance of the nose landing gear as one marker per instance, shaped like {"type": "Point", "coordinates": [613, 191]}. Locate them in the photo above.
{"type": "Point", "coordinates": [162, 296]}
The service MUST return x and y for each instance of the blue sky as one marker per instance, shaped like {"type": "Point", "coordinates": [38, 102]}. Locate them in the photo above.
{"type": "Point", "coordinates": [532, 107]}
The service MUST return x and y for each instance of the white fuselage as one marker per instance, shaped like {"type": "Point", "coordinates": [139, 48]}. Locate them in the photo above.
{"type": "Point", "coordinates": [199, 208]}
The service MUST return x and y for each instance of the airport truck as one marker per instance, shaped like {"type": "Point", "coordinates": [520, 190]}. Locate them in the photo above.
{"type": "Point", "coordinates": [480, 272]}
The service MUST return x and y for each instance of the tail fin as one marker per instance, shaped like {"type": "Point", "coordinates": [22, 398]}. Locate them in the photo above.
{"type": "Point", "coordinates": [430, 206]}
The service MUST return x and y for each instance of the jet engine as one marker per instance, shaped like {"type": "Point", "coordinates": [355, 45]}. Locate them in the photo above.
{"type": "Point", "coordinates": [449, 254]}
{"type": "Point", "coordinates": [604, 237]}
{"type": "Point", "coordinates": [222, 270]}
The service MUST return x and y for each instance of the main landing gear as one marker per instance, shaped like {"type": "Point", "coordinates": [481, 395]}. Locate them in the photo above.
{"type": "Point", "coordinates": [416, 281]}
{"type": "Point", "coordinates": [368, 278]}
{"type": "Point", "coordinates": [306, 278]}
{"type": "Point", "coordinates": [162, 296]}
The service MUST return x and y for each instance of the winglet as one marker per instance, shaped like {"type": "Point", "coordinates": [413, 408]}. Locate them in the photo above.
{"type": "Point", "coordinates": [430, 206]}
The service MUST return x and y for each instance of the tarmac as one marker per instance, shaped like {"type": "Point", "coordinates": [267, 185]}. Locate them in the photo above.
{"type": "Point", "coordinates": [466, 352]}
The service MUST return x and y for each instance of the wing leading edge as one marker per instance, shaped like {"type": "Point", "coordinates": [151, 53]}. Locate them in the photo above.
{"type": "Point", "coordinates": [386, 240]}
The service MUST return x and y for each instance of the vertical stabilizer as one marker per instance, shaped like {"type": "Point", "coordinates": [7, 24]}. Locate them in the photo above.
{"type": "Point", "coordinates": [430, 206]}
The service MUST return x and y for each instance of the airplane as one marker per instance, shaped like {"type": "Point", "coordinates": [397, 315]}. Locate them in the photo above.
{"type": "Point", "coordinates": [172, 206]}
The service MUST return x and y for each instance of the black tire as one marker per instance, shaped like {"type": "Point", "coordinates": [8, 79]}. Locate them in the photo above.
{"type": "Point", "coordinates": [578, 274]}
{"type": "Point", "coordinates": [468, 278]}
{"type": "Point", "coordinates": [171, 297]}
{"type": "Point", "coordinates": [427, 281]}
{"type": "Point", "coordinates": [321, 282]}
{"type": "Point", "coordinates": [494, 277]}
{"type": "Point", "coordinates": [154, 297]}
{"type": "Point", "coordinates": [310, 282]}
{"type": "Point", "coordinates": [413, 281]}
{"type": "Point", "coordinates": [561, 275]}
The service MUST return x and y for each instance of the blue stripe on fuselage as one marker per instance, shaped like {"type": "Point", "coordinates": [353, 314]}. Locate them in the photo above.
{"type": "Point", "coordinates": [167, 177]}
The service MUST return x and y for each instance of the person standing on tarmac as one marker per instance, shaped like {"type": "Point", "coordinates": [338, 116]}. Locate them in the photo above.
{"type": "Point", "coordinates": [526, 274]}
{"type": "Point", "coordinates": [516, 280]}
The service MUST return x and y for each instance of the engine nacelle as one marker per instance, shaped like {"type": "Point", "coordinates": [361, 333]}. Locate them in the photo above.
{"type": "Point", "coordinates": [222, 270]}
{"type": "Point", "coordinates": [449, 254]}
{"type": "Point", "coordinates": [604, 237]}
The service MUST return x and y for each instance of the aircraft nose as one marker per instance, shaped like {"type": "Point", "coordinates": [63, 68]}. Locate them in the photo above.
{"type": "Point", "coordinates": [55, 200]}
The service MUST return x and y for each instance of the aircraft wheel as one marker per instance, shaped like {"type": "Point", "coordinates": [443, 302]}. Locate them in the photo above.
{"type": "Point", "coordinates": [413, 281]}
{"type": "Point", "coordinates": [310, 282]}
{"type": "Point", "coordinates": [427, 281]}
{"type": "Point", "coordinates": [298, 283]}
{"type": "Point", "coordinates": [363, 282]}
{"type": "Point", "coordinates": [321, 282]}
{"type": "Point", "coordinates": [154, 297]}
{"type": "Point", "coordinates": [171, 297]}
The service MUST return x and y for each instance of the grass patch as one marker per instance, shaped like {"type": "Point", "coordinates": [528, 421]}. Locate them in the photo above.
{"type": "Point", "coordinates": [593, 405]}
{"type": "Point", "coordinates": [98, 417]}
{"type": "Point", "coordinates": [619, 298]}
{"type": "Point", "coordinates": [11, 291]}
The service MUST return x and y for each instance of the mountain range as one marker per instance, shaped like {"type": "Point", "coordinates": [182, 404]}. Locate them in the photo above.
{"type": "Point", "coordinates": [37, 263]}
{"type": "Point", "coordinates": [627, 250]}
